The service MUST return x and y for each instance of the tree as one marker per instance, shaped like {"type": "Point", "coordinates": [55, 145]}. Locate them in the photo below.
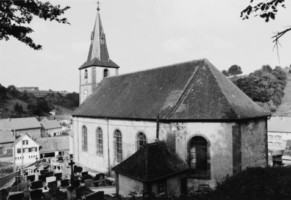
{"type": "Point", "coordinates": [11, 89]}
{"type": "Point", "coordinates": [267, 68]}
{"type": "Point", "coordinates": [15, 15]}
{"type": "Point", "coordinates": [3, 92]}
{"type": "Point", "coordinates": [18, 108]}
{"type": "Point", "coordinates": [267, 10]}
{"type": "Point", "coordinates": [234, 70]}
{"type": "Point", "coordinates": [225, 73]}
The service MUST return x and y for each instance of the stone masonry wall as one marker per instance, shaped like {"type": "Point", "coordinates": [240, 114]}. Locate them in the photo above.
{"type": "Point", "coordinates": [253, 143]}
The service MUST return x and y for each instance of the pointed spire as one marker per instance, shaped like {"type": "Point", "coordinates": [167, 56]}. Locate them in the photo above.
{"type": "Point", "coordinates": [98, 47]}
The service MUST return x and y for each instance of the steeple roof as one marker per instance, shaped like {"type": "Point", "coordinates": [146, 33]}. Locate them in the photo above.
{"type": "Point", "coordinates": [98, 52]}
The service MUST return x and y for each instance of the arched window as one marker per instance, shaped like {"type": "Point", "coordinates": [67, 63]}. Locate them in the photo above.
{"type": "Point", "coordinates": [99, 142]}
{"type": "Point", "coordinates": [86, 74]}
{"type": "Point", "coordinates": [105, 73]}
{"type": "Point", "coordinates": [84, 139]}
{"type": "Point", "coordinates": [199, 158]}
{"type": "Point", "coordinates": [118, 146]}
{"type": "Point", "coordinates": [141, 140]}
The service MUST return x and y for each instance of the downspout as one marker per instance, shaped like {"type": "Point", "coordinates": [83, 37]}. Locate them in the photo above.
{"type": "Point", "coordinates": [109, 168]}
{"type": "Point", "coordinates": [158, 128]}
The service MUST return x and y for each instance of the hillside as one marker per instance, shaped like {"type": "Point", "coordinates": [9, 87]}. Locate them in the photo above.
{"type": "Point", "coordinates": [14, 103]}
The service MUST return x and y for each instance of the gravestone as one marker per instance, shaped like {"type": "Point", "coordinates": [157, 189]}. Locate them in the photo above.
{"type": "Point", "coordinates": [42, 178]}
{"type": "Point", "coordinates": [50, 179]}
{"type": "Point", "coordinates": [52, 184]}
{"type": "Point", "coordinates": [31, 178]}
{"type": "Point", "coordinates": [36, 185]}
{"type": "Point", "coordinates": [36, 195]}
{"type": "Point", "coordinates": [17, 196]}
{"type": "Point", "coordinates": [65, 183]}
{"type": "Point", "coordinates": [96, 196]}
{"type": "Point", "coordinates": [58, 176]}
{"type": "Point", "coordinates": [88, 182]}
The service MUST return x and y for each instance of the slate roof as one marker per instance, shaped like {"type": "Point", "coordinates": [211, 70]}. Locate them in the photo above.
{"type": "Point", "coordinates": [20, 123]}
{"type": "Point", "coordinates": [50, 124]}
{"type": "Point", "coordinates": [189, 91]}
{"type": "Point", "coordinates": [279, 124]}
{"type": "Point", "coordinates": [98, 53]}
{"type": "Point", "coordinates": [152, 162]}
{"type": "Point", "coordinates": [51, 144]}
{"type": "Point", "coordinates": [6, 136]}
{"type": "Point", "coordinates": [97, 62]}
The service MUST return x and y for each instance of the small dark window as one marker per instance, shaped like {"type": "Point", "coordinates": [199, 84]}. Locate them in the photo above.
{"type": "Point", "coordinates": [162, 187]}
{"type": "Point", "coordinates": [105, 73]}
{"type": "Point", "coordinates": [86, 74]}
{"type": "Point", "coordinates": [141, 140]}
{"type": "Point", "coordinates": [18, 150]}
{"type": "Point", "coordinates": [1, 150]}
{"type": "Point", "coordinates": [84, 139]}
{"type": "Point", "coordinates": [118, 146]}
{"type": "Point", "coordinates": [99, 142]}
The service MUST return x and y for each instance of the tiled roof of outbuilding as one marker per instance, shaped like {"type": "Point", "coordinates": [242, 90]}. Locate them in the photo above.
{"type": "Point", "coordinates": [50, 124]}
{"type": "Point", "coordinates": [152, 162]}
{"type": "Point", "coordinates": [193, 90]}
{"type": "Point", "coordinates": [52, 144]}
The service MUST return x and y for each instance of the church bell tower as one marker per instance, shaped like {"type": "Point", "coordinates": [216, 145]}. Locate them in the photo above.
{"type": "Point", "coordinates": [98, 64]}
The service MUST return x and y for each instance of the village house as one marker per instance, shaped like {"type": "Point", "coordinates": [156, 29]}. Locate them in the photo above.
{"type": "Point", "coordinates": [279, 132]}
{"type": "Point", "coordinates": [50, 128]}
{"type": "Point", "coordinates": [202, 117]}
{"type": "Point", "coordinates": [22, 126]}
{"type": "Point", "coordinates": [6, 143]}
{"type": "Point", "coordinates": [26, 151]}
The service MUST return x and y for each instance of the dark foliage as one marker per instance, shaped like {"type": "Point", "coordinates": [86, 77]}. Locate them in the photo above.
{"type": "Point", "coordinates": [234, 70]}
{"type": "Point", "coordinates": [16, 15]}
{"type": "Point", "coordinates": [254, 184]}
{"type": "Point", "coordinates": [3, 93]}
{"type": "Point", "coordinates": [264, 85]}
{"type": "Point", "coordinates": [18, 108]}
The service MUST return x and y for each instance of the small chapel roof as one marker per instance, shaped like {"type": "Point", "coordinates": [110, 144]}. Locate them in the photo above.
{"type": "Point", "coordinates": [189, 91]}
{"type": "Point", "coordinates": [151, 162]}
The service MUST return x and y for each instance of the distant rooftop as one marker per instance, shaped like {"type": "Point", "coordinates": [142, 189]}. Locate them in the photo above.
{"type": "Point", "coordinates": [50, 124]}
{"type": "Point", "coordinates": [19, 123]}
{"type": "Point", "coordinates": [51, 144]}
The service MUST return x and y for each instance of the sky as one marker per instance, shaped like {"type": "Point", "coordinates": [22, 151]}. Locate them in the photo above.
{"type": "Point", "coordinates": [144, 34]}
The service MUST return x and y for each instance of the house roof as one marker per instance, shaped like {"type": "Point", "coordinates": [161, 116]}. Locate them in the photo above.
{"type": "Point", "coordinates": [193, 90]}
{"type": "Point", "coordinates": [51, 144]}
{"type": "Point", "coordinates": [23, 137]}
{"type": "Point", "coordinates": [20, 123]}
{"type": "Point", "coordinates": [50, 124]}
{"type": "Point", "coordinates": [279, 124]}
{"type": "Point", "coordinates": [152, 162]}
{"type": "Point", "coordinates": [6, 136]}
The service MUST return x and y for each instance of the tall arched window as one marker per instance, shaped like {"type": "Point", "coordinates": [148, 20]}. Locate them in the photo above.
{"type": "Point", "coordinates": [99, 142]}
{"type": "Point", "coordinates": [105, 73]}
{"type": "Point", "coordinates": [199, 158]}
{"type": "Point", "coordinates": [118, 146]}
{"type": "Point", "coordinates": [141, 140]}
{"type": "Point", "coordinates": [86, 74]}
{"type": "Point", "coordinates": [84, 139]}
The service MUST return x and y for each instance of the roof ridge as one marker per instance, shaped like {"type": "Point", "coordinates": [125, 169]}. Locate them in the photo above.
{"type": "Point", "coordinates": [220, 88]}
{"type": "Point", "coordinates": [156, 68]}
{"type": "Point", "coordinates": [184, 93]}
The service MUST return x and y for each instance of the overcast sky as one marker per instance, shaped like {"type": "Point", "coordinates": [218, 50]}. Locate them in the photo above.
{"type": "Point", "coordinates": [143, 34]}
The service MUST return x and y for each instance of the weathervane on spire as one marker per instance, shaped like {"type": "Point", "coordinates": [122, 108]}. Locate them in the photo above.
{"type": "Point", "coordinates": [98, 4]}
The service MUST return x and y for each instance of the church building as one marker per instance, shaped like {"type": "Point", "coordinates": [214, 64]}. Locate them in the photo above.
{"type": "Point", "coordinates": [200, 115]}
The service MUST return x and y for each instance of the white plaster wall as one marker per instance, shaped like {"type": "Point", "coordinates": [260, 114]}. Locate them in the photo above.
{"type": "Point", "coordinates": [219, 135]}
{"type": "Point", "coordinates": [51, 132]}
{"type": "Point", "coordinates": [28, 157]}
{"type": "Point", "coordinates": [177, 136]}
{"type": "Point", "coordinates": [100, 73]}
{"type": "Point", "coordinates": [128, 185]}
{"type": "Point", "coordinates": [128, 129]}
